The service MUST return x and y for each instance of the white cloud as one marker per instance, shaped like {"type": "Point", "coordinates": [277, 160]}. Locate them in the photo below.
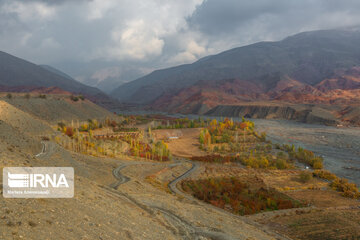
{"type": "Point", "coordinates": [195, 48]}
{"type": "Point", "coordinates": [29, 11]}
{"type": "Point", "coordinates": [139, 28]}
{"type": "Point", "coordinates": [183, 57]}
{"type": "Point", "coordinates": [136, 41]}
{"type": "Point", "coordinates": [191, 48]}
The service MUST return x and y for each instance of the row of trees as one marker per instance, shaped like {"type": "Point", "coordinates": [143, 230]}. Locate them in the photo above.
{"type": "Point", "coordinates": [86, 144]}
{"type": "Point", "coordinates": [339, 184]}
{"type": "Point", "coordinates": [90, 124]}
{"type": "Point", "coordinates": [182, 123]}
{"type": "Point", "coordinates": [81, 139]}
{"type": "Point", "coordinates": [253, 159]}
{"type": "Point", "coordinates": [259, 159]}
{"type": "Point", "coordinates": [158, 151]}
{"type": "Point", "coordinates": [303, 155]}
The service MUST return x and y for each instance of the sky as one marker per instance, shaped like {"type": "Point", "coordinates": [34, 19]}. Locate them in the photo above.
{"type": "Point", "coordinates": [107, 42]}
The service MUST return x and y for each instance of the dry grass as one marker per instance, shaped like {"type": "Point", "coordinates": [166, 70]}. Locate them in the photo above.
{"type": "Point", "coordinates": [323, 198]}
{"type": "Point", "coordinates": [323, 224]}
{"type": "Point", "coordinates": [285, 180]}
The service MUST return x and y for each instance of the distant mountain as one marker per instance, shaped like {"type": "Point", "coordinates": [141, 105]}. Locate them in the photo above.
{"type": "Point", "coordinates": [20, 75]}
{"type": "Point", "coordinates": [56, 71]}
{"type": "Point", "coordinates": [310, 67]}
{"type": "Point", "coordinates": [104, 75]}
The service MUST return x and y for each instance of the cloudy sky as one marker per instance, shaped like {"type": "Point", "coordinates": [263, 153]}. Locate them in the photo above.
{"type": "Point", "coordinates": [106, 42]}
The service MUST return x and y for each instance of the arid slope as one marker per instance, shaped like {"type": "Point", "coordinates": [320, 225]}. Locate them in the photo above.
{"type": "Point", "coordinates": [57, 107]}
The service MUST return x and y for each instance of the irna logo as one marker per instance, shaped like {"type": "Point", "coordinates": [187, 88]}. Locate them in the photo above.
{"type": "Point", "coordinates": [38, 182]}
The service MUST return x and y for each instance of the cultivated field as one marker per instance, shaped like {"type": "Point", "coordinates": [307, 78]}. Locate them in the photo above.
{"type": "Point", "coordinates": [181, 142]}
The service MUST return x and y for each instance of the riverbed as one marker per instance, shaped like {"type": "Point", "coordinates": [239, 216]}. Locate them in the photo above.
{"type": "Point", "coordinates": [340, 147]}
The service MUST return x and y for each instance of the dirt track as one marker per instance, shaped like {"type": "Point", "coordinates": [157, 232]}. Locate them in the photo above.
{"type": "Point", "coordinates": [159, 206]}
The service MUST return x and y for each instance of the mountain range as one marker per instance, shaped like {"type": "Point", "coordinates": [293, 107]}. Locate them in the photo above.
{"type": "Point", "coordinates": [19, 75]}
{"type": "Point", "coordinates": [308, 69]}
{"type": "Point", "coordinates": [318, 67]}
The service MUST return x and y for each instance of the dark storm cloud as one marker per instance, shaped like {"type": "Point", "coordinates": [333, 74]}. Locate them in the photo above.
{"type": "Point", "coordinates": [268, 19]}
{"type": "Point", "coordinates": [127, 38]}
{"type": "Point", "coordinates": [223, 16]}
{"type": "Point", "coordinates": [52, 2]}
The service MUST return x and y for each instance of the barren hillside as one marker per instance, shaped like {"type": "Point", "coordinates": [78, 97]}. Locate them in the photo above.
{"type": "Point", "coordinates": [56, 107]}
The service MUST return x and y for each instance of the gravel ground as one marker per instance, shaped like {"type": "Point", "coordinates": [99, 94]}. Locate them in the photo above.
{"type": "Point", "coordinates": [340, 147]}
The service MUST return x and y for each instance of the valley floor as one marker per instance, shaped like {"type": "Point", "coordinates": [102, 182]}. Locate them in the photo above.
{"type": "Point", "coordinates": [133, 198]}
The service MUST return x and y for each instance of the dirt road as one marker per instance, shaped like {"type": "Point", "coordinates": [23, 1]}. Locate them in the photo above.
{"type": "Point", "coordinates": [156, 206]}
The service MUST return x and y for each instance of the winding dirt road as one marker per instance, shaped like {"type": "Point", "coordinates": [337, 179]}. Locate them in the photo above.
{"type": "Point", "coordinates": [173, 184]}
{"type": "Point", "coordinates": [43, 150]}
{"type": "Point", "coordinates": [165, 216]}
{"type": "Point", "coordinates": [182, 227]}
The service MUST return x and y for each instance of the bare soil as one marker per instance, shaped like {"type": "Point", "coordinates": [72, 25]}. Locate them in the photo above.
{"type": "Point", "coordinates": [186, 143]}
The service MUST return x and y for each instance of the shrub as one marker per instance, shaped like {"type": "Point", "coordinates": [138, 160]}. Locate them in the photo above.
{"type": "Point", "coordinates": [281, 163]}
{"type": "Point", "coordinates": [61, 125]}
{"type": "Point", "coordinates": [43, 96]}
{"type": "Point", "coordinates": [69, 131]}
{"type": "Point", "coordinates": [9, 95]}
{"type": "Point", "coordinates": [263, 137]}
{"type": "Point", "coordinates": [324, 175]}
{"type": "Point", "coordinates": [342, 185]}
{"type": "Point", "coordinates": [348, 189]}
{"type": "Point", "coordinates": [305, 156]}
{"type": "Point", "coordinates": [243, 125]}
{"type": "Point", "coordinates": [225, 138]}
{"type": "Point", "coordinates": [74, 98]}
{"type": "Point", "coordinates": [27, 96]}
{"type": "Point", "coordinates": [305, 176]}
{"type": "Point", "coordinates": [81, 97]}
